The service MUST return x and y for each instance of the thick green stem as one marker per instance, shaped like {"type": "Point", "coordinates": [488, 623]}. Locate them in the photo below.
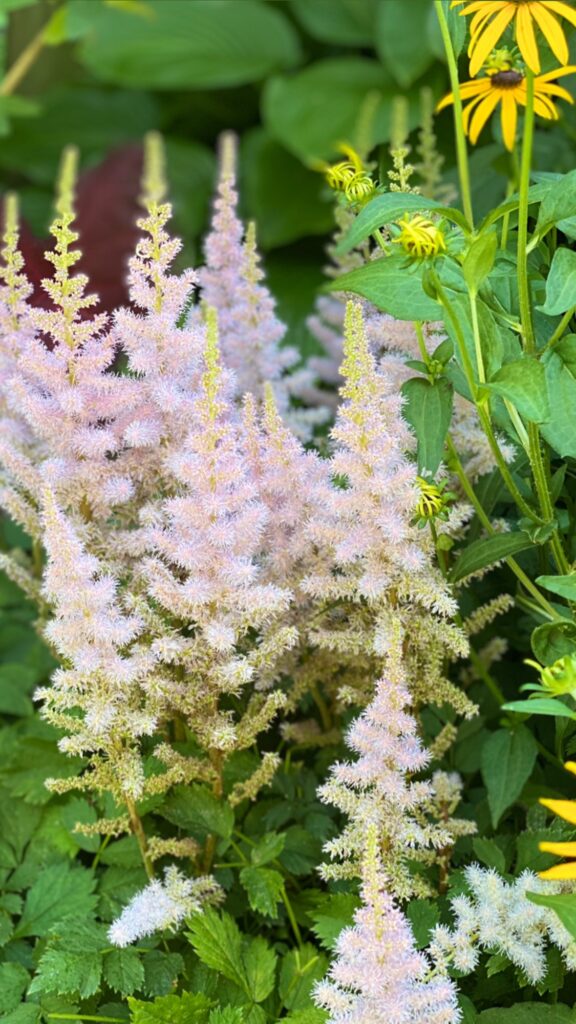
{"type": "Point", "coordinates": [526, 162]}
{"type": "Point", "coordinates": [461, 147]}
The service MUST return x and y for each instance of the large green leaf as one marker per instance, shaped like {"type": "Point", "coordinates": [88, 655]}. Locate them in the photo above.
{"type": "Point", "coordinates": [523, 382]}
{"type": "Point", "coordinates": [540, 706]}
{"type": "Point", "coordinates": [561, 283]}
{"type": "Point", "coordinates": [383, 209]}
{"type": "Point", "coordinates": [392, 286]}
{"type": "Point", "coordinates": [428, 410]}
{"type": "Point", "coordinates": [560, 429]}
{"type": "Point", "coordinates": [250, 964]}
{"type": "Point", "coordinates": [60, 891]}
{"type": "Point", "coordinates": [343, 22]}
{"type": "Point", "coordinates": [264, 888]}
{"type": "Point", "coordinates": [202, 45]}
{"type": "Point", "coordinates": [558, 202]}
{"type": "Point", "coordinates": [507, 762]}
{"type": "Point", "coordinates": [483, 553]}
{"type": "Point", "coordinates": [406, 52]}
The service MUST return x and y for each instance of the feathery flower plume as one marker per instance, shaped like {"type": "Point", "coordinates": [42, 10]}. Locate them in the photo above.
{"type": "Point", "coordinates": [163, 904]}
{"type": "Point", "coordinates": [378, 976]}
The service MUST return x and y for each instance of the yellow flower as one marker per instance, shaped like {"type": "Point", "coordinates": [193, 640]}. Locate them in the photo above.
{"type": "Point", "coordinates": [507, 87]}
{"type": "Point", "coordinates": [349, 176]}
{"type": "Point", "coordinates": [419, 237]}
{"type": "Point", "coordinates": [492, 18]}
{"type": "Point", "coordinates": [565, 809]}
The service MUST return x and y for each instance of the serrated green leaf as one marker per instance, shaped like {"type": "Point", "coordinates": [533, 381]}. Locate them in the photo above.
{"type": "Point", "coordinates": [61, 891]}
{"type": "Point", "coordinates": [71, 964]}
{"type": "Point", "coordinates": [423, 916]}
{"type": "Point", "coordinates": [160, 971]}
{"type": "Point", "coordinates": [197, 810]}
{"type": "Point", "coordinates": [259, 968]}
{"type": "Point", "coordinates": [185, 1009]}
{"type": "Point", "coordinates": [301, 969]}
{"type": "Point", "coordinates": [124, 971]}
{"type": "Point", "coordinates": [507, 762]}
{"type": "Point", "coordinates": [218, 942]}
{"type": "Point", "coordinates": [264, 888]}
{"type": "Point", "coordinates": [228, 1015]}
{"type": "Point", "coordinates": [13, 983]}
{"type": "Point", "coordinates": [268, 848]}
{"type": "Point", "coordinates": [428, 410]}
{"type": "Point", "coordinates": [334, 912]}
{"type": "Point", "coordinates": [482, 553]}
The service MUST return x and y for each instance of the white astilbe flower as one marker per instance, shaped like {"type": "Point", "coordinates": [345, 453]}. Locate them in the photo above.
{"type": "Point", "coordinates": [496, 917]}
{"type": "Point", "coordinates": [163, 904]}
{"type": "Point", "coordinates": [378, 976]}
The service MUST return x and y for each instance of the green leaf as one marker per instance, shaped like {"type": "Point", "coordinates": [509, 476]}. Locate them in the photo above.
{"type": "Point", "coordinates": [428, 410]}
{"type": "Point", "coordinates": [300, 971]}
{"type": "Point", "coordinates": [26, 1013]}
{"type": "Point", "coordinates": [483, 553]}
{"type": "Point", "coordinates": [311, 1015]}
{"type": "Point", "coordinates": [523, 382]}
{"type": "Point", "coordinates": [205, 45]}
{"type": "Point", "coordinates": [72, 961]}
{"type": "Point", "coordinates": [269, 170]}
{"type": "Point", "coordinates": [60, 891]}
{"type": "Point", "coordinates": [13, 983]}
{"type": "Point", "coordinates": [228, 1015]}
{"type": "Point", "coordinates": [407, 53]}
{"type": "Point", "coordinates": [479, 260]}
{"type": "Point", "coordinates": [185, 1009]}
{"type": "Point", "coordinates": [560, 430]}
{"type": "Point", "coordinates": [489, 853]}
{"type": "Point", "coordinates": [552, 640]}
{"type": "Point", "coordinates": [124, 971]}
{"type": "Point", "coordinates": [507, 762]}
{"type": "Point", "coordinates": [564, 905]}
{"type": "Point", "coordinates": [558, 202]}
{"type": "Point", "coordinates": [197, 810]}
{"type": "Point", "coordinates": [564, 586]}
{"type": "Point", "coordinates": [540, 706]}
{"type": "Point", "coordinates": [16, 682]}
{"type": "Point", "coordinates": [268, 848]}
{"type": "Point", "coordinates": [264, 887]}
{"type": "Point", "coordinates": [529, 1013]}
{"type": "Point", "coordinates": [561, 283]}
{"type": "Point", "coordinates": [301, 852]}
{"type": "Point", "coordinates": [219, 944]}
{"type": "Point", "coordinates": [337, 21]}
{"type": "Point", "coordinates": [160, 971]}
{"type": "Point", "coordinates": [392, 287]}
{"type": "Point", "coordinates": [423, 916]}
{"type": "Point", "coordinates": [334, 912]}
{"type": "Point", "coordinates": [383, 209]}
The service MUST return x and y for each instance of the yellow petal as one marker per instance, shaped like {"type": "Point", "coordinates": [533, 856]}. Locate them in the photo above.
{"type": "Point", "coordinates": [560, 872]}
{"type": "Point", "coordinates": [545, 108]}
{"type": "Point", "coordinates": [549, 89]}
{"type": "Point", "coordinates": [560, 849]}
{"type": "Point", "coordinates": [526, 38]}
{"type": "Point", "coordinates": [559, 7]}
{"type": "Point", "coordinates": [570, 766]}
{"type": "Point", "coordinates": [509, 119]}
{"type": "Point", "coordinates": [467, 89]}
{"type": "Point", "coordinates": [563, 808]}
{"type": "Point", "coordinates": [483, 112]}
{"type": "Point", "coordinates": [490, 6]}
{"type": "Point", "coordinates": [550, 76]}
{"type": "Point", "coordinates": [469, 110]}
{"type": "Point", "coordinates": [481, 46]}
{"type": "Point", "coordinates": [552, 31]}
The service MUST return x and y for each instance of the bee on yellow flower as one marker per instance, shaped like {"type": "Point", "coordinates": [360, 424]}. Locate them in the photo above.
{"type": "Point", "coordinates": [565, 809]}
{"type": "Point", "coordinates": [420, 237]}
{"type": "Point", "coordinates": [491, 18]}
{"type": "Point", "coordinates": [505, 83]}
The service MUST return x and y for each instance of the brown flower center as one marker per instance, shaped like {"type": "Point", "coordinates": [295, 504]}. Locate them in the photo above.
{"type": "Point", "coordinates": [507, 79]}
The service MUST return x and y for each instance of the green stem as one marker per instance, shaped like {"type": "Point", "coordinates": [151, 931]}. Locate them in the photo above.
{"type": "Point", "coordinates": [138, 830]}
{"type": "Point", "coordinates": [23, 63]}
{"type": "Point", "coordinates": [477, 342]}
{"type": "Point", "coordinates": [468, 489]}
{"type": "Point", "coordinates": [486, 678]}
{"type": "Point", "coordinates": [525, 165]}
{"type": "Point", "coordinates": [461, 147]}
{"type": "Point", "coordinates": [482, 413]}
{"type": "Point", "coordinates": [543, 492]}
{"type": "Point", "coordinates": [291, 916]}
{"type": "Point", "coordinates": [561, 328]}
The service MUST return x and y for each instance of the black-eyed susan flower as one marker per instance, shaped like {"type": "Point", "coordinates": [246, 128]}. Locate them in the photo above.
{"type": "Point", "coordinates": [434, 501]}
{"type": "Point", "coordinates": [505, 83]}
{"type": "Point", "coordinates": [420, 237]}
{"type": "Point", "coordinates": [565, 809]}
{"type": "Point", "coordinates": [491, 18]}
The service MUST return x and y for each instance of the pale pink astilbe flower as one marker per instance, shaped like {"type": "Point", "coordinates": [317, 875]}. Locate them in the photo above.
{"type": "Point", "coordinates": [163, 905]}
{"type": "Point", "coordinates": [375, 790]}
{"type": "Point", "coordinates": [96, 697]}
{"type": "Point", "coordinates": [378, 976]}
{"type": "Point", "coordinates": [207, 540]}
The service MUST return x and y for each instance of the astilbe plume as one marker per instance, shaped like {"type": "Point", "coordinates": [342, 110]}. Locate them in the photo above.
{"type": "Point", "coordinates": [378, 976]}
{"type": "Point", "coordinates": [163, 905]}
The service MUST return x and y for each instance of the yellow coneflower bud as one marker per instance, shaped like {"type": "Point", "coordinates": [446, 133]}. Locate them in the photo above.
{"type": "Point", "coordinates": [559, 678]}
{"type": "Point", "coordinates": [431, 502]}
{"type": "Point", "coordinates": [360, 188]}
{"type": "Point", "coordinates": [420, 237]}
{"type": "Point", "coordinates": [349, 176]}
